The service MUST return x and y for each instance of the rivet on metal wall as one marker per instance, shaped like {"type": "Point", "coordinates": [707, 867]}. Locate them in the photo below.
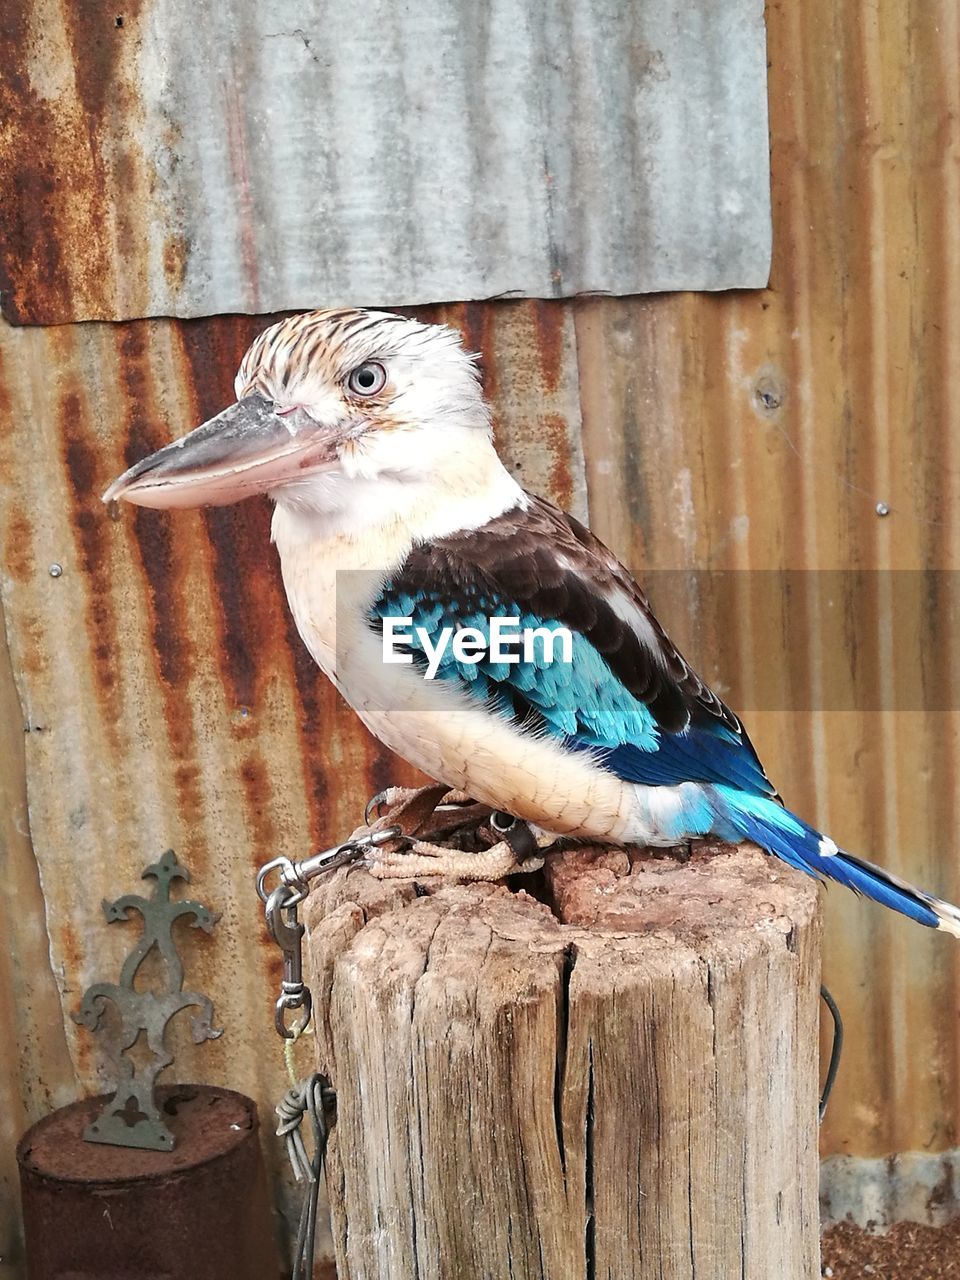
{"type": "Point", "coordinates": [768, 394]}
{"type": "Point", "coordinates": [882, 509]}
{"type": "Point", "coordinates": [56, 570]}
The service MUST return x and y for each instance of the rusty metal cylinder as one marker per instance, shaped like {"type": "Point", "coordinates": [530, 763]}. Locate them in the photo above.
{"type": "Point", "coordinates": [94, 1212]}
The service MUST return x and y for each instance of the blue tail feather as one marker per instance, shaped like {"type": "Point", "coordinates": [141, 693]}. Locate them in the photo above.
{"type": "Point", "coordinates": [782, 833]}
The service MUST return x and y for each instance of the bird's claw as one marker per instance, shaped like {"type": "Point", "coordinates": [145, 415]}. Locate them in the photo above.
{"type": "Point", "coordinates": [389, 798]}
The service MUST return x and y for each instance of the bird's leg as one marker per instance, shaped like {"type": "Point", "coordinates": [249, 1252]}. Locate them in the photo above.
{"type": "Point", "coordinates": [429, 815]}
{"type": "Point", "coordinates": [426, 859]}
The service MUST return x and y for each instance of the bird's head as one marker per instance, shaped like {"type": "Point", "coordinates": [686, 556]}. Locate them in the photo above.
{"type": "Point", "coordinates": [326, 400]}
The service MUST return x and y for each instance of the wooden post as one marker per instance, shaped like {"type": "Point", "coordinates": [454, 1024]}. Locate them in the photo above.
{"type": "Point", "coordinates": [620, 1084]}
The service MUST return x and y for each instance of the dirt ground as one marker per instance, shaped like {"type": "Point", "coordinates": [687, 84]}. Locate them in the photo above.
{"type": "Point", "coordinates": [907, 1252]}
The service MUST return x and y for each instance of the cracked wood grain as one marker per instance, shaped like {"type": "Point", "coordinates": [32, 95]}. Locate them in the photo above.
{"type": "Point", "coordinates": [618, 1081]}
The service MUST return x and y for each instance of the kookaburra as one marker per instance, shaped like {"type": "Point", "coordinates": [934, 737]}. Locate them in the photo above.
{"type": "Point", "coordinates": [480, 633]}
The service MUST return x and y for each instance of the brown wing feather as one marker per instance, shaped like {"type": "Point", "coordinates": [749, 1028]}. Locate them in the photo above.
{"type": "Point", "coordinates": [551, 565]}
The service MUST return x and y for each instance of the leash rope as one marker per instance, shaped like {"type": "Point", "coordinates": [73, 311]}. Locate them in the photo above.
{"type": "Point", "coordinates": [311, 1097]}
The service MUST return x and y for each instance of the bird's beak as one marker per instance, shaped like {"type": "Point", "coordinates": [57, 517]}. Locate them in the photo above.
{"type": "Point", "coordinates": [247, 449]}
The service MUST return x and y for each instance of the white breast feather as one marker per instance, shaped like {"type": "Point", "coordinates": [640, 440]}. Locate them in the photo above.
{"type": "Point", "coordinates": [331, 582]}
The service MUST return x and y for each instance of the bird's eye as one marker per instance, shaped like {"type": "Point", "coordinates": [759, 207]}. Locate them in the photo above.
{"type": "Point", "coordinates": [367, 379]}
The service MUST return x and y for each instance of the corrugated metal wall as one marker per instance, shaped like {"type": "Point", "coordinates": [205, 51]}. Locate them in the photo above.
{"type": "Point", "coordinates": [161, 696]}
{"type": "Point", "coordinates": [165, 698]}
{"type": "Point", "coordinates": [759, 431]}
{"type": "Point", "coordinates": [374, 153]}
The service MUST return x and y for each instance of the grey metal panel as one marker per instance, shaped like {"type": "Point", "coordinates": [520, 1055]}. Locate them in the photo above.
{"type": "Point", "coordinates": [294, 153]}
{"type": "Point", "coordinates": [875, 1193]}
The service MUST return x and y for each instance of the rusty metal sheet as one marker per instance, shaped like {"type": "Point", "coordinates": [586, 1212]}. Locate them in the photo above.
{"type": "Point", "coordinates": [35, 1069]}
{"type": "Point", "coordinates": [760, 432]}
{"type": "Point", "coordinates": [164, 696]}
{"type": "Point", "coordinates": [281, 155]}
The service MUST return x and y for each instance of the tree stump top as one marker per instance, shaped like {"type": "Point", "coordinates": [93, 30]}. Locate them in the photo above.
{"type": "Point", "coordinates": [616, 1077]}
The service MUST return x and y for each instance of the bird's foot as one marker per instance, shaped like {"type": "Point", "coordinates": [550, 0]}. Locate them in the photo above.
{"type": "Point", "coordinates": [446, 834]}
{"type": "Point", "coordinates": [423, 859]}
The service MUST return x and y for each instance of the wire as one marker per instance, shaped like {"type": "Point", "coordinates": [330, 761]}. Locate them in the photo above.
{"type": "Point", "coordinates": [312, 1097]}
{"type": "Point", "coordinates": [835, 1050]}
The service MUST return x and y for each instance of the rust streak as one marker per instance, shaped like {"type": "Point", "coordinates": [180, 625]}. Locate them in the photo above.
{"type": "Point", "coordinates": [237, 144]}
{"type": "Point", "coordinates": [476, 322]}
{"type": "Point", "coordinates": [314, 730]}
{"type": "Point", "coordinates": [561, 481]}
{"type": "Point", "coordinates": [31, 259]}
{"type": "Point", "coordinates": [549, 319]}
{"type": "Point", "coordinates": [164, 571]}
{"type": "Point", "coordinates": [18, 556]}
{"type": "Point", "coordinates": [62, 161]}
{"type": "Point", "coordinates": [89, 522]}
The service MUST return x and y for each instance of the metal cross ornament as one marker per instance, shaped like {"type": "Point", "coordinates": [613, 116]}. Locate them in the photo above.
{"type": "Point", "coordinates": [132, 1118]}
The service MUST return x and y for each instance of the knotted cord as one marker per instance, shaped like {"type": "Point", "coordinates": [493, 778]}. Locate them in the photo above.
{"type": "Point", "coordinates": [312, 1096]}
